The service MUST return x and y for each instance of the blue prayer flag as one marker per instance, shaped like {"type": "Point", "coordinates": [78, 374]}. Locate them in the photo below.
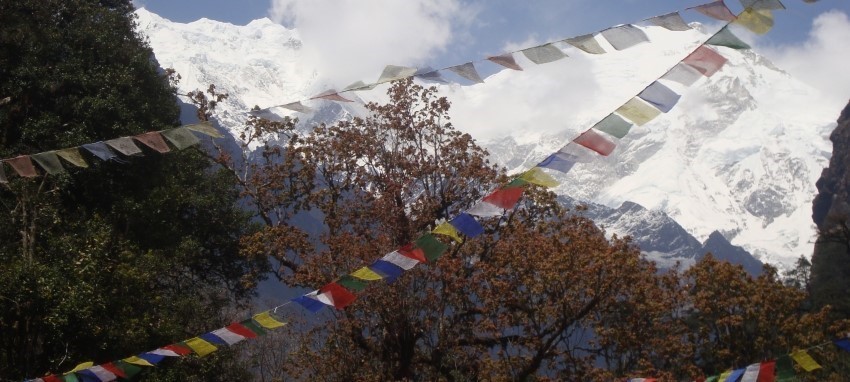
{"type": "Point", "coordinates": [310, 304]}
{"type": "Point", "coordinates": [467, 225]}
{"type": "Point", "coordinates": [387, 269]}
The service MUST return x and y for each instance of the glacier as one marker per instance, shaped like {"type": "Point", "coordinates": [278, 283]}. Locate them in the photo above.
{"type": "Point", "coordinates": [738, 156]}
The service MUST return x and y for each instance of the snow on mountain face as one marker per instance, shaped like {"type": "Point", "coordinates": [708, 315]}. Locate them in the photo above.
{"type": "Point", "coordinates": [739, 154]}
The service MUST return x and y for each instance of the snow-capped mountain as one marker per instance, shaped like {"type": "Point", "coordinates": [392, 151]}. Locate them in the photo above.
{"type": "Point", "coordinates": [738, 155]}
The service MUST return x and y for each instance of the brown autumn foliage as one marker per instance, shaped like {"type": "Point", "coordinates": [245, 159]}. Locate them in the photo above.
{"type": "Point", "coordinates": [542, 295]}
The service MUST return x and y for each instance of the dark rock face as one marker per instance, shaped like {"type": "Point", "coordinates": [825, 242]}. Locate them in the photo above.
{"type": "Point", "coordinates": [834, 183]}
{"type": "Point", "coordinates": [722, 249]}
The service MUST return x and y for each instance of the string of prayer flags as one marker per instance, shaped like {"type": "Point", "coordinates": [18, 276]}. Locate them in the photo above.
{"type": "Point", "coordinates": [448, 230]}
{"type": "Point", "coordinates": [393, 72]}
{"type": "Point", "coordinates": [389, 271]}
{"type": "Point", "coordinates": [659, 96]}
{"type": "Point", "coordinates": [331, 95]}
{"type": "Point", "coordinates": [467, 225]}
{"type": "Point", "coordinates": [543, 54]}
{"type": "Point", "coordinates": [614, 125]}
{"type": "Point", "coordinates": [671, 21]}
{"type": "Point", "coordinates": [153, 140]}
{"type": "Point", "coordinates": [23, 166]}
{"type": "Point", "coordinates": [726, 38]}
{"type": "Point", "coordinates": [507, 60]}
{"type": "Point", "coordinates": [705, 60]}
{"type": "Point", "coordinates": [124, 145]}
{"type": "Point", "coordinates": [467, 71]}
{"type": "Point", "coordinates": [587, 43]}
{"type": "Point", "coordinates": [536, 176]}
{"type": "Point", "coordinates": [596, 142]}
{"type": "Point", "coordinates": [759, 21]}
{"type": "Point", "coordinates": [638, 111]}
{"type": "Point", "coordinates": [181, 137]}
{"type": "Point", "coordinates": [683, 74]}
{"type": "Point", "coordinates": [432, 247]}
{"type": "Point", "coordinates": [716, 10]}
{"type": "Point", "coordinates": [624, 36]}
{"type": "Point", "coordinates": [805, 360]}
{"type": "Point", "coordinates": [49, 162]}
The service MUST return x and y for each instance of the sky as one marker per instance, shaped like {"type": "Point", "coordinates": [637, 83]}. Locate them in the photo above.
{"type": "Point", "coordinates": [809, 39]}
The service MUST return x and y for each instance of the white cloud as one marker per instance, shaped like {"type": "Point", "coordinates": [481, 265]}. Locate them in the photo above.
{"type": "Point", "coordinates": [351, 40]}
{"type": "Point", "coordinates": [821, 61]}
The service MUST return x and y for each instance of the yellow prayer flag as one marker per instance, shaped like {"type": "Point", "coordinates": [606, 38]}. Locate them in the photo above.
{"type": "Point", "coordinates": [200, 346]}
{"type": "Point", "coordinates": [82, 366]}
{"type": "Point", "coordinates": [137, 361]}
{"type": "Point", "coordinates": [759, 21]}
{"type": "Point", "coordinates": [538, 177]}
{"type": "Point", "coordinates": [448, 230]}
{"type": "Point", "coordinates": [205, 128]}
{"type": "Point", "coordinates": [366, 274]}
{"type": "Point", "coordinates": [805, 360]}
{"type": "Point", "coordinates": [267, 321]}
{"type": "Point", "coordinates": [73, 156]}
{"type": "Point", "coordinates": [724, 375]}
{"type": "Point", "coordinates": [638, 111]}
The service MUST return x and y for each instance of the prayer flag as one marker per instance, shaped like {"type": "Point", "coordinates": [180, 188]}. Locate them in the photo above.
{"type": "Point", "coordinates": [73, 156]}
{"type": "Point", "coordinates": [205, 128]}
{"type": "Point", "coordinates": [124, 145]}
{"type": "Point", "coordinates": [705, 60]}
{"type": "Point", "coordinates": [309, 303]}
{"type": "Point", "coordinates": [153, 140]}
{"type": "Point", "coordinates": [805, 360]}
{"type": "Point", "coordinates": [683, 74]}
{"type": "Point", "coordinates": [638, 111]}
{"type": "Point", "coordinates": [713, 378]}
{"type": "Point", "coordinates": [49, 162]}
{"type": "Point", "coordinates": [624, 36]}
{"type": "Point", "coordinates": [448, 230]}
{"type": "Point", "coordinates": [100, 150]}
{"type": "Point", "coordinates": [751, 373]}
{"type": "Point", "coordinates": [180, 137]}
{"type": "Point", "coordinates": [213, 339]}
{"type": "Point", "coordinates": [137, 361]}
{"type": "Point", "coordinates": [558, 162]}
{"type": "Point", "coordinates": [23, 166]}
{"type": "Point", "coordinates": [244, 330]}
{"type": "Point", "coordinates": [266, 320]}
{"type": "Point", "coordinates": [614, 125]}
{"type": "Point", "coordinates": [400, 260]}
{"type": "Point", "coordinates": [339, 295]}
{"type": "Point", "coordinates": [726, 38]}
{"type": "Point", "coordinates": [413, 252]}
{"type": "Point", "coordinates": [127, 370]}
{"type": "Point", "coordinates": [82, 366]}
{"type": "Point", "coordinates": [579, 153]}
{"type": "Point", "coordinates": [70, 378]}
{"type": "Point", "coordinates": [596, 142]}
{"type": "Point", "coordinates": [763, 4]}
{"type": "Point", "coordinates": [716, 10]}
{"type": "Point", "coordinates": [467, 225]}
{"type": "Point", "coordinates": [252, 326]}
{"type": "Point", "coordinates": [331, 95]}
{"type": "Point", "coordinates": [3, 178]}
{"type": "Point", "coordinates": [536, 176]}
{"type": "Point", "coordinates": [505, 198]}
{"type": "Point", "coordinates": [767, 372]}
{"type": "Point", "coordinates": [432, 247]}
{"type": "Point", "coordinates": [506, 60]}
{"type": "Point", "coordinates": [392, 73]}
{"type": "Point", "coordinates": [152, 358]}
{"type": "Point", "coordinates": [543, 54]}
{"type": "Point", "coordinates": [429, 74]}
{"type": "Point", "coordinates": [484, 209]}
{"type": "Point", "coordinates": [389, 270]}
{"type": "Point", "coordinates": [98, 373]}
{"type": "Point", "coordinates": [760, 21]}
{"type": "Point", "coordinates": [659, 96]}
{"type": "Point", "coordinates": [586, 43]}
{"type": "Point", "coordinates": [112, 368]}
{"type": "Point", "coordinates": [467, 71]}
{"type": "Point", "coordinates": [366, 274]}
{"type": "Point", "coordinates": [352, 283]}
{"type": "Point", "coordinates": [843, 343]}
{"type": "Point", "coordinates": [175, 349]}
{"type": "Point", "coordinates": [50, 378]}
{"type": "Point", "coordinates": [359, 85]}
{"type": "Point", "coordinates": [785, 369]}
{"type": "Point", "coordinates": [724, 376]}
{"type": "Point", "coordinates": [672, 21]}
{"type": "Point", "coordinates": [200, 347]}
{"type": "Point", "coordinates": [735, 375]}
{"type": "Point", "coordinates": [297, 106]}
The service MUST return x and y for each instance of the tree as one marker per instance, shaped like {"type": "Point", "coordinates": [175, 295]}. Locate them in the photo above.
{"type": "Point", "coordinates": [102, 263]}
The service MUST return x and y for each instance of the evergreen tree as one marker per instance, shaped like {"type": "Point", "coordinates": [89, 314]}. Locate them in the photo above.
{"type": "Point", "coordinates": [102, 263]}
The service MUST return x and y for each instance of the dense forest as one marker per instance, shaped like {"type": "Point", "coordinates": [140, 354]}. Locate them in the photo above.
{"type": "Point", "coordinates": [139, 251]}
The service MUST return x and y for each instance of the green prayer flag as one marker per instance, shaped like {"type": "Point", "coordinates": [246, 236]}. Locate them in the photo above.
{"type": "Point", "coordinates": [180, 137]}
{"type": "Point", "coordinates": [615, 125]}
{"type": "Point", "coordinates": [432, 247]}
{"type": "Point", "coordinates": [517, 182]}
{"type": "Point", "coordinates": [254, 327]}
{"type": "Point", "coordinates": [728, 39]}
{"type": "Point", "coordinates": [49, 162]}
{"type": "Point", "coordinates": [785, 369]}
{"type": "Point", "coordinates": [712, 379]}
{"type": "Point", "coordinates": [352, 283]}
{"type": "Point", "coordinates": [129, 369]}
{"type": "Point", "coordinates": [70, 378]}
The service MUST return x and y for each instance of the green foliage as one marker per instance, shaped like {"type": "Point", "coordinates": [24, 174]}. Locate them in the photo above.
{"type": "Point", "coordinates": [102, 263]}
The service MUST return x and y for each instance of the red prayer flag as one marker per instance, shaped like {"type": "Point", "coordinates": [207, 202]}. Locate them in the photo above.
{"type": "Point", "coordinates": [23, 166]}
{"type": "Point", "coordinates": [705, 60]}
{"type": "Point", "coordinates": [412, 252]}
{"type": "Point", "coordinates": [154, 141]}
{"type": "Point", "coordinates": [767, 372]}
{"type": "Point", "coordinates": [114, 370]}
{"type": "Point", "coordinates": [178, 349]}
{"type": "Point", "coordinates": [596, 142]}
{"type": "Point", "coordinates": [341, 297]}
{"type": "Point", "coordinates": [505, 198]}
{"type": "Point", "coordinates": [241, 330]}
{"type": "Point", "coordinates": [52, 378]}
